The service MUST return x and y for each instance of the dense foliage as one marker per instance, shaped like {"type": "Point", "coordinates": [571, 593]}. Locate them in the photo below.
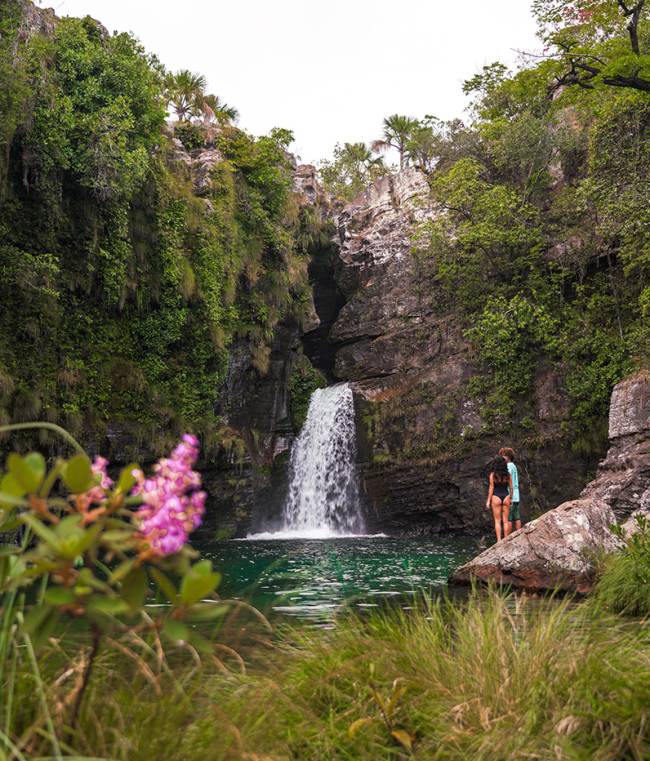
{"type": "Point", "coordinates": [543, 244]}
{"type": "Point", "coordinates": [122, 285]}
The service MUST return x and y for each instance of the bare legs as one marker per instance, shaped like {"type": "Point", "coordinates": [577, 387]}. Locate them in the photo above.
{"type": "Point", "coordinates": [505, 515]}
{"type": "Point", "coordinates": [500, 511]}
{"type": "Point", "coordinates": [496, 514]}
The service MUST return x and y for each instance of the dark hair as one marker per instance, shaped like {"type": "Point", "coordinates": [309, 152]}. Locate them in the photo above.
{"type": "Point", "coordinates": [507, 452]}
{"type": "Point", "coordinates": [499, 467]}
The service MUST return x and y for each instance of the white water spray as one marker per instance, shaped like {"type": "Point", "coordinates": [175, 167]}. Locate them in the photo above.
{"type": "Point", "coordinates": [323, 499]}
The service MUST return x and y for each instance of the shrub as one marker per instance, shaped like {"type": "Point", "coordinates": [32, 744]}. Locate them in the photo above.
{"type": "Point", "coordinates": [190, 134]}
{"type": "Point", "coordinates": [90, 549]}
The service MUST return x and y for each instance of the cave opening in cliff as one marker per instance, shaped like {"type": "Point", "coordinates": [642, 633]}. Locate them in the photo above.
{"type": "Point", "coordinates": [328, 301]}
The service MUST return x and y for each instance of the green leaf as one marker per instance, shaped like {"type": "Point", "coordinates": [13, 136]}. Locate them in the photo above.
{"type": "Point", "coordinates": [8, 520]}
{"type": "Point", "coordinates": [199, 582]}
{"type": "Point", "coordinates": [59, 596]}
{"type": "Point", "coordinates": [122, 570]}
{"type": "Point", "coordinates": [41, 530]}
{"type": "Point", "coordinates": [78, 474]}
{"type": "Point", "coordinates": [165, 585]}
{"type": "Point", "coordinates": [40, 623]}
{"type": "Point", "coordinates": [121, 538]}
{"type": "Point", "coordinates": [11, 492]}
{"type": "Point", "coordinates": [176, 631]}
{"type": "Point", "coordinates": [134, 588]}
{"type": "Point", "coordinates": [36, 462]}
{"type": "Point", "coordinates": [87, 578]}
{"type": "Point", "coordinates": [23, 472]}
{"type": "Point", "coordinates": [206, 611]}
{"type": "Point", "coordinates": [74, 539]}
{"type": "Point", "coordinates": [126, 481]}
{"type": "Point", "coordinates": [201, 643]}
{"type": "Point", "coordinates": [110, 605]}
{"type": "Point", "coordinates": [36, 617]}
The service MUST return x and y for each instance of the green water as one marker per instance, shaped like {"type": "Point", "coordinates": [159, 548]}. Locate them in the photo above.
{"type": "Point", "coordinates": [314, 579]}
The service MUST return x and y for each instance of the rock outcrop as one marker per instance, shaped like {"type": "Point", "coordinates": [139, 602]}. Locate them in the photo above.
{"type": "Point", "coordinates": [557, 550]}
{"type": "Point", "coordinates": [423, 438]}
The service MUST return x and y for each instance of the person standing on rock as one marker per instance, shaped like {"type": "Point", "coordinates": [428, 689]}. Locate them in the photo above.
{"type": "Point", "coordinates": [499, 491]}
{"type": "Point", "coordinates": [514, 515]}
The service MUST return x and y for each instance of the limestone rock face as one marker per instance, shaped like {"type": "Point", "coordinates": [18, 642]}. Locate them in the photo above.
{"type": "Point", "coordinates": [36, 20]}
{"type": "Point", "coordinates": [553, 552]}
{"type": "Point", "coordinates": [557, 550]}
{"type": "Point", "coordinates": [196, 165]}
{"type": "Point", "coordinates": [623, 478]}
{"type": "Point", "coordinates": [204, 160]}
{"type": "Point", "coordinates": [630, 406]}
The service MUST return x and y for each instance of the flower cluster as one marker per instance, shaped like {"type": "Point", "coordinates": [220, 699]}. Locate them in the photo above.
{"type": "Point", "coordinates": [172, 507]}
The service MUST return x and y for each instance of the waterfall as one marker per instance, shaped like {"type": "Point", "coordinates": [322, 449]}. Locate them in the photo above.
{"type": "Point", "coordinates": [323, 491]}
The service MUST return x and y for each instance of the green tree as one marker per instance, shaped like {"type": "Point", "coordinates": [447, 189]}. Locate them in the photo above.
{"type": "Point", "coordinates": [353, 168]}
{"type": "Point", "coordinates": [398, 130]}
{"type": "Point", "coordinates": [597, 42]}
{"type": "Point", "coordinates": [186, 93]}
{"type": "Point", "coordinates": [214, 108]}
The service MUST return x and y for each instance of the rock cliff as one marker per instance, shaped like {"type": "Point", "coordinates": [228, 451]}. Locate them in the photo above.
{"type": "Point", "coordinates": [557, 550]}
{"type": "Point", "coordinates": [423, 438]}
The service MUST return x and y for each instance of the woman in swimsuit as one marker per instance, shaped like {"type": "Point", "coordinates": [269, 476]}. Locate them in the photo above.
{"type": "Point", "coordinates": [499, 494]}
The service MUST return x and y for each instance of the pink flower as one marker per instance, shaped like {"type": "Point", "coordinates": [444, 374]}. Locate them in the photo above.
{"type": "Point", "coordinates": [171, 505]}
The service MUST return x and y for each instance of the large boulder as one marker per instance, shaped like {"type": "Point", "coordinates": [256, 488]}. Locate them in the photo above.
{"type": "Point", "coordinates": [558, 550]}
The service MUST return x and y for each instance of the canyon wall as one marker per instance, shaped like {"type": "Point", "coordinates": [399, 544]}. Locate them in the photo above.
{"type": "Point", "coordinates": [424, 440]}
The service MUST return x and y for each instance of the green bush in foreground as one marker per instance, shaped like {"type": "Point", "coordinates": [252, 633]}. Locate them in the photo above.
{"type": "Point", "coordinates": [624, 585]}
{"type": "Point", "coordinates": [493, 678]}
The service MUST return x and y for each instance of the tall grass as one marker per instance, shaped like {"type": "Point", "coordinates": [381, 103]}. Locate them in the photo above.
{"type": "Point", "coordinates": [624, 581]}
{"type": "Point", "coordinates": [493, 678]}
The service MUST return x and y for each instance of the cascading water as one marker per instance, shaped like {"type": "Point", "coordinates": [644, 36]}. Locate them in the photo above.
{"type": "Point", "coordinates": [323, 492]}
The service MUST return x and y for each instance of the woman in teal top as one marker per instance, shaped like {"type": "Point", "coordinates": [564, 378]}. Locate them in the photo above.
{"type": "Point", "coordinates": [514, 515]}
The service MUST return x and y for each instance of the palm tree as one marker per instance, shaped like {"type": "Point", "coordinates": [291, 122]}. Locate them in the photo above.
{"type": "Point", "coordinates": [185, 91]}
{"type": "Point", "coordinates": [213, 107]}
{"type": "Point", "coordinates": [359, 157]}
{"type": "Point", "coordinates": [397, 132]}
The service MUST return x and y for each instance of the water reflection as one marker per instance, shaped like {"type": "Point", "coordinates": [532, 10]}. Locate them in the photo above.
{"type": "Point", "coordinates": [314, 579]}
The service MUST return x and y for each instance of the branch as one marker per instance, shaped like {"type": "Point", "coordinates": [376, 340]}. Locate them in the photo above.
{"type": "Point", "coordinates": [634, 14]}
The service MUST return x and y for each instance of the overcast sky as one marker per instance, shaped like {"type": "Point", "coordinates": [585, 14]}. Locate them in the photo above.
{"type": "Point", "coordinates": [330, 70]}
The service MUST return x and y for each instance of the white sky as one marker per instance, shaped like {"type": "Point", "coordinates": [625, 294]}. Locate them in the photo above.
{"type": "Point", "coordinates": [329, 71]}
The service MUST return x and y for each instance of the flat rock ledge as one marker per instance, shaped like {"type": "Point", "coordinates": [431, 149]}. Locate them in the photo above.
{"type": "Point", "coordinates": [556, 551]}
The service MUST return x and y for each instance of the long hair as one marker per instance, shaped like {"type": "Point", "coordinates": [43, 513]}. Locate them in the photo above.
{"type": "Point", "coordinates": [499, 467]}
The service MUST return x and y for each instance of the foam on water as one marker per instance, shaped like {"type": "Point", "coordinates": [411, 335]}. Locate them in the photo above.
{"type": "Point", "coordinates": [325, 533]}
